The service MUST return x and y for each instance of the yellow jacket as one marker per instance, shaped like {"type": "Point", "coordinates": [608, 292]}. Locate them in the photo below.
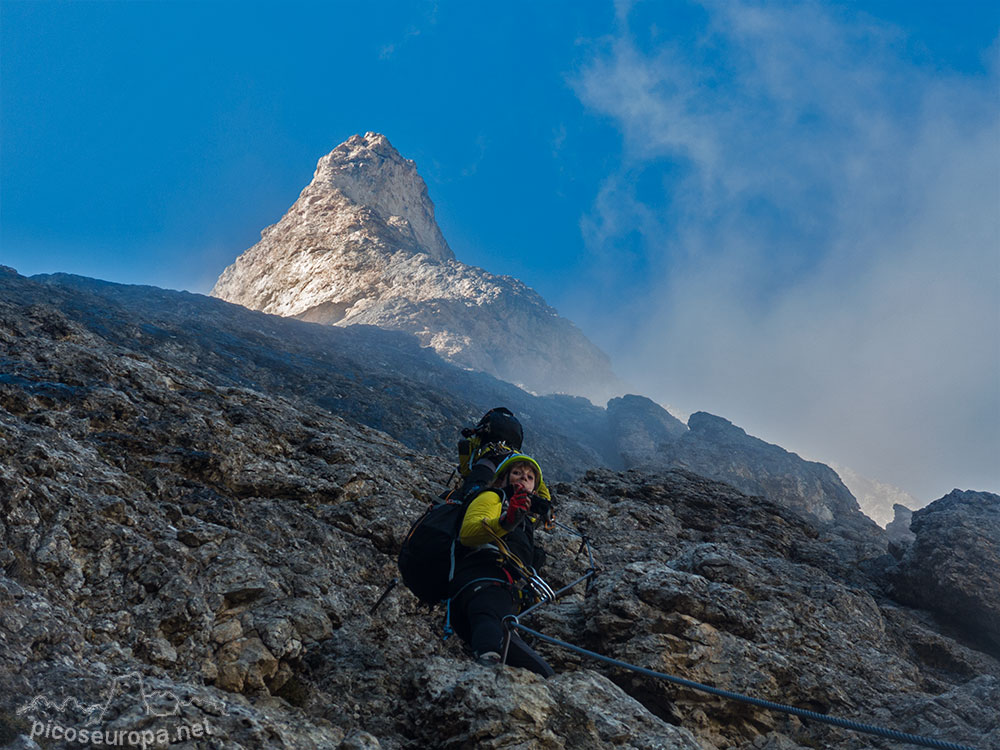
{"type": "Point", "coordinates": [486, 507]}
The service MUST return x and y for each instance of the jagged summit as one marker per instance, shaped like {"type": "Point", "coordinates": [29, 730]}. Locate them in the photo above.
{"type": "Point", "coordinates": [370, 172]}
{"type": "Point", "coordinates": [360, 245]}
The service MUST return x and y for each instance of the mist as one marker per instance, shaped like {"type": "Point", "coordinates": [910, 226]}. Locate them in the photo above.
{"type": "Point", "coordinates": [807, 223]}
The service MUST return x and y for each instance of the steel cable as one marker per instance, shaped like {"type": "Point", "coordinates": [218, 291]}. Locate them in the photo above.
{"type": "Point", "coordinates": [912, 739]}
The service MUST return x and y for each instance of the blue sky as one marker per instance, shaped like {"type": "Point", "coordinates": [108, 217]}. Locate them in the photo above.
{"type": "Point", "coordinates": [782, 213]}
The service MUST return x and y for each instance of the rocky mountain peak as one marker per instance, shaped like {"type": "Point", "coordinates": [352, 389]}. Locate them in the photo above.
{"type": "Point", "coordinates": [361, 246]}
{"type": "Point", "coordinates": [716, 427]}
{"type": "Point", "coordinates": [368, 171]}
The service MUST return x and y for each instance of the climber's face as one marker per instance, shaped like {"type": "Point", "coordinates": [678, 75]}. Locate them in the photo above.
{"type": "Point", "coordinates": [523, 475]}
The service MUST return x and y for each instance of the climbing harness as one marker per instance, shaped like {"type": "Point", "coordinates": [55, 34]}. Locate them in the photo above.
{"type": "Point", "coordinates": [475, 583]}
{"type": "Point", "coordinates": [536, 583]}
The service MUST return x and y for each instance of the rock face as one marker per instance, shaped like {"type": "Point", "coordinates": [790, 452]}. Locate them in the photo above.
{"type": "Point", "coordinates": [360, 245]}
{"type": "Point", "coordinates": [649, 437]}
{"type": "Point", "coordinates": [642, 429]}
{"type": "Point", "coordinates": [714, 447]}
{"type": "Point", "coordinates": [898, 529]}
{"type": "Point", "coordinates": [190, 538]}
{"type": "Point", "coordinates": [382, 379]}
{"type": "Point", "coordinates": [953, 566]}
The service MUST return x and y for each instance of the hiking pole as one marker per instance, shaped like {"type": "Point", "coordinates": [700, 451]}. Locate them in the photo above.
{"type": "Point", "coordinates": [388, 589]}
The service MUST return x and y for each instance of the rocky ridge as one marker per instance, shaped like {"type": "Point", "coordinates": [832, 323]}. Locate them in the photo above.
{"type": "Point", "coordinates": [381, 378]}
{"type": "Point", "coordinates": [714, 447]}
{"type": "Point", "coordinates": [361, 246]}
{"type": "Point", "coordinates": [173, 512]}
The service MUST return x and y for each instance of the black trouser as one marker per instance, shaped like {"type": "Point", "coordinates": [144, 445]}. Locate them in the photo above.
{"type": "Point", "coordinates": [477, 614]}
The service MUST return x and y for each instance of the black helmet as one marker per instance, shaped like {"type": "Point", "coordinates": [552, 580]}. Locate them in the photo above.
{"type": "Point", "coordinates": [499, 425]}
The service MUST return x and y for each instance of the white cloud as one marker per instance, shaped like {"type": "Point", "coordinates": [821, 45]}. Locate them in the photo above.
{"type": "Point", "coordinates": [825, 247]}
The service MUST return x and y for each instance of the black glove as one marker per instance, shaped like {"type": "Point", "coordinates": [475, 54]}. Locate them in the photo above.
{"type": "Point", "coordinates": [517, 508]}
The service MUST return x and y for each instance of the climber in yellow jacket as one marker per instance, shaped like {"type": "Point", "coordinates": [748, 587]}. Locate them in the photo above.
{"type": "Point", "coordinates": [498, 552]}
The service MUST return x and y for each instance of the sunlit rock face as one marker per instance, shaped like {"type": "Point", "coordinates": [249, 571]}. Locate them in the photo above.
{"type": "Point", "coordinates": [361, 245]}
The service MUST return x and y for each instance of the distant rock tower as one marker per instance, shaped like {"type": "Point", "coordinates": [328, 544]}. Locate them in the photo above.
{"type": "Point", "coordinates": [360, 245]}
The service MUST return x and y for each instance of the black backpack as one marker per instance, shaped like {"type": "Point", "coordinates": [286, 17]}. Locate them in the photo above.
{"type": "Point", "coordinates": [429, 552]}
{"type": "Point", "coordinates": [428, 555]}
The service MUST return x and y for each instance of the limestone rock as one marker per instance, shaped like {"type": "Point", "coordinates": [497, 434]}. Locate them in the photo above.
{"type": "Point", "coordinates": [361, 246]}
{"type": "Point", "coordinates": [725, 599]}
{"type": "Point", "coordinates": [642, 428]}
{"type": "Point", "coordinates": [953, 566]}
{"type": "Point", "coordinates": [715, 447]}
{"type": "Point", "coordinates": [197, 521]}
{"type": "Point", "coordinates": [473, 706]}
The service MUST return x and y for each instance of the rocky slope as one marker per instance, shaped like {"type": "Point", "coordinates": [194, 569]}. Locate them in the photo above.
{"type": "Point", "coordinates": [379, 378]}
{"type": "Point", "coordinates": [185, 517]}
{"type": "Point", "coordinates": [360, 245]}
{"type": "Point", "coordinates": [382, 378]}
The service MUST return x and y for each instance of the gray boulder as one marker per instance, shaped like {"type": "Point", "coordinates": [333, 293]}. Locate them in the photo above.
{"type": "Point", "coordinates": [953, 566]}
